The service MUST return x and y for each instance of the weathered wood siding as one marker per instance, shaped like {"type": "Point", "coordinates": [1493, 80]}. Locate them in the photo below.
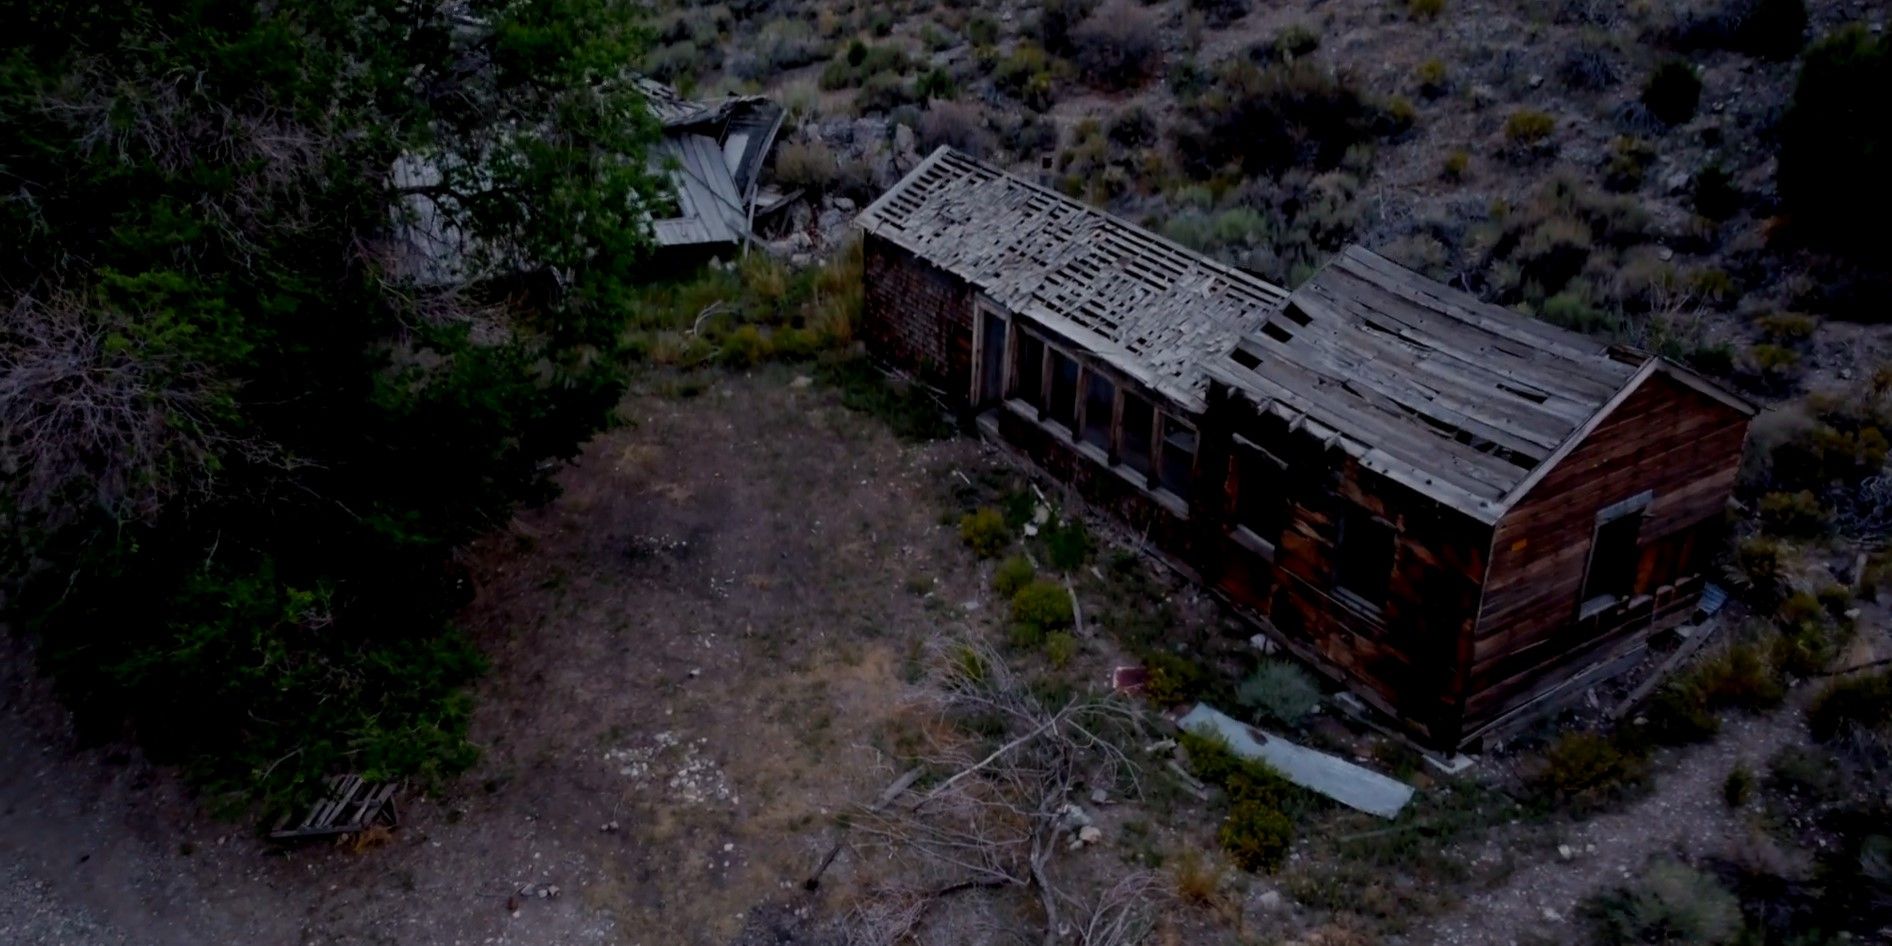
{"type": "Point", "coordinates": [1101, 486]}
{"type": "Point", "coordinates": [917, 315]}
{"type": "Point", "coordinates": [1408, 657]}
{"type": "Point", "coordinates": [1665, 437]}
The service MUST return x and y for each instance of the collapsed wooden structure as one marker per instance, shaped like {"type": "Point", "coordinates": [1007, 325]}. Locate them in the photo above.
{"type": "Point", "coordinates": [1446, 505]}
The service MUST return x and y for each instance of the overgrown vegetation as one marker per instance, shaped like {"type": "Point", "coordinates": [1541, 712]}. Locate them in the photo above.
{"type": "Point", "coordinates": [247, 420]}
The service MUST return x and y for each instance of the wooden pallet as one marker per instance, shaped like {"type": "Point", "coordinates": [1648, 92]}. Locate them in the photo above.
{"type": "Point", "coordinates": [352, 804]}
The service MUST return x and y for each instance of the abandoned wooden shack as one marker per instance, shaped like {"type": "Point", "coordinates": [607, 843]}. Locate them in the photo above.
{"type": "Point", "coordinates": [1452, 508]}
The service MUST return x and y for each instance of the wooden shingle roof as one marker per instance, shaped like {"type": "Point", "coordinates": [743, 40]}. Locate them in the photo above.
{"type": "Point", "coordinates": [1465, 402]}
{"type": "Point", "coordinates": [1151, 308]}
{"type": "Point", "coordinates": [1459, 399]}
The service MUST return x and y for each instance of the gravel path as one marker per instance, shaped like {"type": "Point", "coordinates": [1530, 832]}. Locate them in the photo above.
{"type": "Point", "coordinates": [1685, 815]}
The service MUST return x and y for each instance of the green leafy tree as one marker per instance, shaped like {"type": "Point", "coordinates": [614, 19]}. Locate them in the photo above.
{"type": "Point", "coordinates": [298, 298]}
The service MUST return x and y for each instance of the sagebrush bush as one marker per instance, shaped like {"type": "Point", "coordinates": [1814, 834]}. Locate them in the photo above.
{"type": "Point", "coordinates": [1670, 903]}
{"type": "Point", "coordinates": [1058, 20]}
{"type": "Point", "coordinates": [1012, 574]}
{"type": "Point", "coordinates": [806, 164]}
{"type": "Point", "coordinates": [1454, 166]}
{"type": "Point", "coordinates": [1280, 691]}
{"type": "Point", "coordinates": [1067, 544]}
{"type": "Point", "coordinates": [1583, 771]}
{"type": "Point", "coordinates": [1770, 29]}
{"type": "Point", "coordinates": [1834, 142]}
{"type": "Point", "coordinates": [1221, 13]}
{"type": "Point", "coordinates": [1425, 9]}
{"type": "Point", "coordinates": [1256, 836]}
{"type": "Point", "coordinates": [1433, 78]}
{"type": "Point", "coordinates": [1173, 678]}
{"type": "Point", "coordinates": [1198, 881]}
{"type": "Point", "coordinates": [984, 531]}
{"type": "Point", "coordinates": [1798, 514]}
{"type": "Point", "coordinates": [1270, 117]}
{"type": "Point", "coordinates": [959, 125]}
{"type": "Point", "coordinates": [1044, 603]}
{"type": "Point", "coordinates": [1060, 647]}
{"type": "Point", "coordinates": [1629, 161]}
{"type": "Point", "coordinates": [1862, 702]}
{"type": "Point", "coordinates": [859, 63]}
{"type": "Point", "coordinates": [1117, 46]}
{"type": "Point", "coordinates": [1740, 677]}
{"type": "Point", "coordinates": [1240, 779]}
{"type": "Point", "coordinates": [1028, 74]}
{"type": "Point", "coordinates": [1738, 787]}
{"type": "Point", "coordinates": [1672, 92]}
{"type": "Point", "coordinates": [1528, 126]}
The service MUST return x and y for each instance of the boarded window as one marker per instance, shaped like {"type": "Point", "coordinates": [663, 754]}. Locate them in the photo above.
{"type": "Point", "coordinates": [1260, 506]}
{"type": "Point", "coordinates": [991, 359]}
{"type": "Point", "coordinates": [1613, 556]}
{"type": "Point", "coordinates": [1029, 370]}
{"type": "Point", "coordinates": [1100, 402]}
{"type": "Point", "coordinates": [1063, 406]}
{"type": "Point", "coordinates": [1179, 456]}
{"type": "Point", "coordinates": [1138, 427]}
{"type": "Point", "coordinates": [1365, 566]}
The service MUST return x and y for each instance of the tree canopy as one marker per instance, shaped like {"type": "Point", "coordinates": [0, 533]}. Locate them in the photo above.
{"type": "Point", "coordinates": [299, 298]}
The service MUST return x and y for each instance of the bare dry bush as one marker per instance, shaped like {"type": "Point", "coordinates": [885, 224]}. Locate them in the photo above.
{"type": "Point", "coordinates": [1008, 770]}
{"type": "Point", "coordinates": [94, 416]}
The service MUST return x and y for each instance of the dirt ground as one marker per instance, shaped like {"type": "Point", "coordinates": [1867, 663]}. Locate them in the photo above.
{"type": "Point", "coordinates": [691, 651]}
{"type": "Point", "coordinates": [697, 653]}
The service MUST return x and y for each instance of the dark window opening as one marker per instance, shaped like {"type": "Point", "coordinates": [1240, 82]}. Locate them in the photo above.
{"type": "Point", "coordinates": [1029, 367]}
{"type": "Point", "coordinates": [1365, 557]}
{"type": "Point", "coordinates": [1179, 456]}
{"type": "Point", "coordinates": [1276, 332]}
{"type": "Point", "coordinates": [1613, 559]}
{"type": "Point", "coordinates": [992, 360]}
{"type": "Point", "coordinates": [1100, 402]}
{"type": "Point", "coordinates": [1063, 406]}
{"type": "Point", "coordinates": [1138, 427]}
{"type": "Point", "coordinates": [1260, 506]}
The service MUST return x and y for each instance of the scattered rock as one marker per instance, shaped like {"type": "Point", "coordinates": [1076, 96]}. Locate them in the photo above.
{"type": "Point", "coordinates": [1100, 797]}
{"type": "Point", "coordinates": [1566, 852]}
{"type": "Point", "coordinates": [844, 204]}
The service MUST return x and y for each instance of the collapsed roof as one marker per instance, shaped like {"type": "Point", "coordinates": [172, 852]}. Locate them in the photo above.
{"type": "Point", "coordinates": [1461, 400]}
{"type": "Point", "coordinates": [713, 152]}
{"type": "Point", "coordinates": [1153, 308]}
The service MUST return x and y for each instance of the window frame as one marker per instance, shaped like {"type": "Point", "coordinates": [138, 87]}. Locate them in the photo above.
{"type": "Point", "coordinates": [1354, 597]}
{"type": "Point", "coordinates": [1111, 454]}
{"type": "Point", "coordinates": [1634, 508]}
{"type": "Point", "coordinates": [985, 313]}
{"type": "Point", "coordinates": [1244, 453]}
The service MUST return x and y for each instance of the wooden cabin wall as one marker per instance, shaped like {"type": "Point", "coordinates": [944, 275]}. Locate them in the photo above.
{"type": "Point", "coordinates": [1665, 437]}
{"type": "Point", "coordinates": [1409, 658]}
{"type": "Point", "coordinates": [1053, 452]}
{"type": "Point", "coordinates": [917, 315]}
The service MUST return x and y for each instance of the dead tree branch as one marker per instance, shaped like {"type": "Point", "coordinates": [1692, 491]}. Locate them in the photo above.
{"type": "Point", "coordinates": [999, 817]}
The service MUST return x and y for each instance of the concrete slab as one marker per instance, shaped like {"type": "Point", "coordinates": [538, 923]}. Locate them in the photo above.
{"type": "Point", "coordinates": [1336, 778]}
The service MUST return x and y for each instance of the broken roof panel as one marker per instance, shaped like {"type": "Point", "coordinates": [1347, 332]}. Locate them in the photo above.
{"type": "Point", "coordinates": [1151, 308]}
{"type": "Point", "coordinates": [1463, 401]}
{"type": "Point", "coordinates": [1460, 399]}
{"type": "Point", "coordinates": [715, 152]}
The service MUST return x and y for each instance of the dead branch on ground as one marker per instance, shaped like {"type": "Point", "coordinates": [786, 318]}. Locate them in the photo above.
{"type": "Point", "coordinates": [1004, 808]}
